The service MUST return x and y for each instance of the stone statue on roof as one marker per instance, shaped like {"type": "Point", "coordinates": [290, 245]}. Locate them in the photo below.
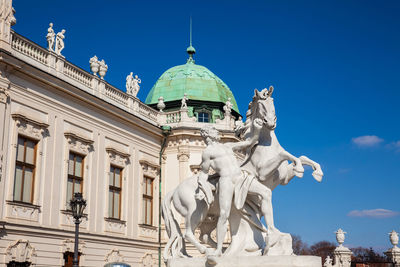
{"type": "Point", "coordinates": [50, 37]}
{"type": "Point", "coordinates": [132, 84]}
{"type": "Point", "coordinates": [183, 101]}
{"type": "Point", "coordinates": [59, 42]}
{"type": "Point", "coordinates": [228, 106]}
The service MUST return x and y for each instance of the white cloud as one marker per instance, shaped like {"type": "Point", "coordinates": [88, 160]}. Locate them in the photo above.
{"type": "Point", "coordinates": [375, 213]}
{"type": "Point", "coordinates": [367, 140]}
{"type": "Point", "coordinates": [394, 145]}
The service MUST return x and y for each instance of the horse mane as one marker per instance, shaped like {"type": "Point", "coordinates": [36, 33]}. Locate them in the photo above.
{"type": "Point", "coordinates": [245, 130]}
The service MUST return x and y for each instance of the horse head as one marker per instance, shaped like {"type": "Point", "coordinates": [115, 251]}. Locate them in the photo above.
{"type": "Point", "coordinates": [262, 107]}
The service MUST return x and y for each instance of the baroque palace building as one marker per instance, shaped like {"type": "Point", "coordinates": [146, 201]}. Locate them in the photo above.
{"type": "Point", "coordinates": [65, 130]}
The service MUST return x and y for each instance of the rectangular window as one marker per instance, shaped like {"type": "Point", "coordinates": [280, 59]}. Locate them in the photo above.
{"type": "Point", "coordinates": [203, 117]}
{"type": "Point", "coordinates": [25, 170]}
{"type": "Point", "coordinates": [75, 175]}
{"type": "Point", "coordinates": [114, 192]}
{"type": "Point", "coordinates": [147, 200]}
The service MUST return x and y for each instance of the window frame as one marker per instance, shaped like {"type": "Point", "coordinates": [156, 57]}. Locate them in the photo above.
{"type": "Point", "coordinates": [23, 165]}
{"type": "Point", "coordinates": [114, 189]}
{"type": "Point", "coordinates": [149, 197]}
{"type": "Point", "coordinates": [205, 113]}
{"type": "Point", "coordinates": [73, 176]}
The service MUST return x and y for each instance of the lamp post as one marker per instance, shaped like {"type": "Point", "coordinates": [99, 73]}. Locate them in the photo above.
{"type": "Point", "coordinates": [77, 204]}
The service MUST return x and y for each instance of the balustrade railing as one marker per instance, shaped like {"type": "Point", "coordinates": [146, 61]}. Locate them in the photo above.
{"type": "Point", "coordinates": [116, 95]}
{"type": "Point", "coordinates": [148, 111]}
{"type": "Point", "coordinates": [173, 117]}
{"type": "Point", "coordinates": [85, 80]}
{"type": "Point", "coordinates": [77, 74]}
{"type": "Point", "coordinates": [28, 48]}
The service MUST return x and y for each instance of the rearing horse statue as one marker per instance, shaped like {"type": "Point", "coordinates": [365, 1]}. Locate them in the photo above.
{"type": "Point", "coordinates": [265, 166]}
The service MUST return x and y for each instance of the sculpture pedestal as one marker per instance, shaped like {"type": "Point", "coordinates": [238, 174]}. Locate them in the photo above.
{"type": "Point", "coordinates": [253, 261]}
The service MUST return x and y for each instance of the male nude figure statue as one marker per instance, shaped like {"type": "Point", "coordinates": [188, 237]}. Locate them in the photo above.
{"type": "Point", "coordinates": [221, 158]}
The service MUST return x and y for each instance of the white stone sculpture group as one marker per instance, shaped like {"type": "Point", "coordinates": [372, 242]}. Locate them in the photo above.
{"type": "Point", "coordinates": [238, 193]}
{"type": "Point", "coordinates": [97, 66]}
{"type": "Point", "coordinates": [132, 84]}
{"type": "Point", "coordinates": [55, 42]}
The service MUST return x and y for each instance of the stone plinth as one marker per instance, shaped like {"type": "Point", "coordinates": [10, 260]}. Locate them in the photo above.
{"type": "Point", "coordinates": [253, 261]}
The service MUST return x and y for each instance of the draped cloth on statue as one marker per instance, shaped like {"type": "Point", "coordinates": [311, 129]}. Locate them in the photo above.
{"type": "Point", "coordinates": [242, 188]}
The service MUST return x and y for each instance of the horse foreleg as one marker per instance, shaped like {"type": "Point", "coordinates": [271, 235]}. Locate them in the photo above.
{"type": "Point", "coordinates": [296, 164]}
{"type": "Point", "coordinates": [317, 173]}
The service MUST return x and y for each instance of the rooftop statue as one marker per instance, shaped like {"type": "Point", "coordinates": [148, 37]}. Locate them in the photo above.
{"type": "Point", "coordinates": [132, 84]}
{"type": "Point", "coordinates": [228, 106]}
{"type": "Point", "coordinates": [59, 42]}
{"type": "Point", "coordinates": [183, 101]}
{"type": "Point", "coordinates": [239, 192]}
{"type": "Point", "coordinates": [50, 37]}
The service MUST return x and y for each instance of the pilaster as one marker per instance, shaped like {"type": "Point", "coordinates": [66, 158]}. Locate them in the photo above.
{"type": "Point", "coordinates": [183, 157]}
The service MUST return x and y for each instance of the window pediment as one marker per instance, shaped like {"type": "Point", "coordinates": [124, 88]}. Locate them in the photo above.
{"type": "Point", "coordinates": [149, 168]}
{"type": "Point", "coordinates": [79, 143]}
{"type": "Point", "coordinates": [117, 157]}
{"type": "Point", "coordinates": [30, 127]}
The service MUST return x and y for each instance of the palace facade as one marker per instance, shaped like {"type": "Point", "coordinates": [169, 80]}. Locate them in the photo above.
{"type": "Point", "coordinates": [65, 130]}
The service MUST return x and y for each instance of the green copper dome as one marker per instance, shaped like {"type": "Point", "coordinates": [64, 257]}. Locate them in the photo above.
{"type": "Point", "coordinates": [198, 82]}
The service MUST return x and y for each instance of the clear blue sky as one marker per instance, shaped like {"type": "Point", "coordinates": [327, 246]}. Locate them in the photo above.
{"type": "Point", "coordinates": [335, 66]}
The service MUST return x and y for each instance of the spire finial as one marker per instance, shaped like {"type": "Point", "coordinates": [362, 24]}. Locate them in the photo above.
{"type": "Point", "coordinates": [190, 30]}
{"type": "Point", "coordinates": [190, 50]}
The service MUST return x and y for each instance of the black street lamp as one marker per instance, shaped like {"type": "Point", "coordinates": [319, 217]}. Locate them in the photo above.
{"type": "Point", "coordinates": [77, 204]}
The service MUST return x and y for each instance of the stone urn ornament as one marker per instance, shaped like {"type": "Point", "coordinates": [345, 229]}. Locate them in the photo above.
{"type": "Point", "coordinates": [340, 236]}
{"type": "Point", "coordinates": [94, 65]}
{"type": "Point", "coordinates": [161, 104]}
{"type": "Point", "coordinates": [103, 69]}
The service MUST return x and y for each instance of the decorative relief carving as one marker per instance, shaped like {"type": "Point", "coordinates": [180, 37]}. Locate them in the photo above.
{"type": "Point", "coordinates": [185, 140]}
{"type": "Point", "coordinates": [183, 154]}
{"type": "Point", "coordinates": [4, 94]}
{"type": "Point", "coordinates": [68, 220]}
{"type": "Point", "coordinates": [114, 225]}
{"type": "Point", "coordinates": [21, 251]}
{"type": "Point", "coordinates": [23, 211]}
{"type": "Point", "coordinates": [114, 255]}
{"type": "Point", "coordinates": [117, 157]}
{"type": "Point", "coordinates": [30, 127]}
{"type": "Point", "coordinates": [148, 231]}
{"type": "Point", "coordinates": [148, 260]}
{"type": "Point", "coordinates": [68, 245]}
{"type": "Point", "coordinates": [149, 168]}
{"type": "Point", "coordinates": [78, 143]}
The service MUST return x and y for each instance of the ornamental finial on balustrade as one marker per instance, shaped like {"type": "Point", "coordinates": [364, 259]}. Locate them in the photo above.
{"type": "Point", "coordinates": [161, 104]}
{"type": "Point", "coordinates": [103, 69]}
{"type": "Point", "coordinates": [94, 65]}
{"type": "Point", "coordinates": [394, 253]}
